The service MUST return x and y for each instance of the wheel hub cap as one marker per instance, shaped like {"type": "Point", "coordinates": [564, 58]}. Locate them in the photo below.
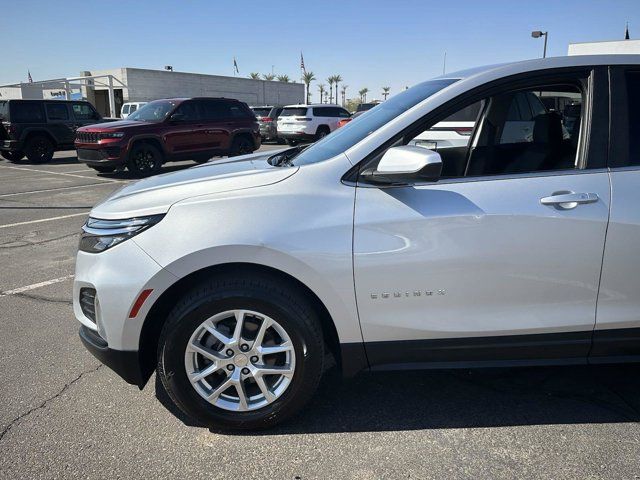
{"type": "Point", "coordinates": [240, 360]}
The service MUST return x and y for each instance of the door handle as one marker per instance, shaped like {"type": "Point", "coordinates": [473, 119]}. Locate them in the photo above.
{"type": "Point", "coordinates": [569, 200]}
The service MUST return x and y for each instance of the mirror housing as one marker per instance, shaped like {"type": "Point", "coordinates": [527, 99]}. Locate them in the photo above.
{"type": "Point", "coordinates": [408, 164]}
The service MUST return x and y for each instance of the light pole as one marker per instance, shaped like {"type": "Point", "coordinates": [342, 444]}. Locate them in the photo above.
{"type": "Point", "coordinates": [538, 34]}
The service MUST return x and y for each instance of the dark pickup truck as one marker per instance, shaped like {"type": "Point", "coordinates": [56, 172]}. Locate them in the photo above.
{"type": "Point", "coordinates": [38, 128]}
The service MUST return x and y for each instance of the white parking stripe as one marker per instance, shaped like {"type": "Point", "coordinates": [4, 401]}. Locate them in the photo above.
{"type": "Point", "coordinates": [34, 286]}
{"type": "Point", "coordinates": [44, 220]}
{"type": "Point", "coordinates": [59, 188]}
{"type": "Point", "coordinates": [56, 173]}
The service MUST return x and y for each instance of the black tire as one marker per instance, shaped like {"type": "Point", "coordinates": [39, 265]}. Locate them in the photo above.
{"type": "Point", "coordinates": [39, 149]}
{"type": "Point", "coordinates": [322, 132]}
{"type": "Point", "coordinates": [145, 159]}
{"type": "Point", "coordinates": [261, 293]}
{"type": "Point", "coordinates": [104, 169]}
{"type": "Point", "coordinates": [15, 156]}
{"type": "Point", "coordinates": [241, 145]}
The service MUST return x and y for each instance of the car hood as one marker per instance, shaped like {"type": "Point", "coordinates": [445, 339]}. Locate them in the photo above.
{"type": "Point", "coordinates": [112, 125]}
{"type": "Point", "coordinates": [155, 195]}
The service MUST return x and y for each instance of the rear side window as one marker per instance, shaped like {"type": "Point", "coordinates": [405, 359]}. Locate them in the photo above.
{"type": "Point", "coordinates": [261, 112]}
{"type": "Point", "coordinates": [325, 112]}
{"type": "Point", "coordinates": [125, 109]}
{"type": "Point", "coordinates": [82, 111]}
{"type": "Point", "coordinates": [294, 112]}
{"type": "Point", "coordinates": [633, 98]}
{"type": "Point", "coordinates": [238, 111]}
{"type": "Point", "coordinates": [4, 110]}
{"type": "Point", "coordinates": [57, 111]}
{"type": "Point", "coordinates": [213, 110]}
{"type": "Point", "coordinates": [27, 112]}
{"type": "Point", "coordinates": [133, 108]}
{"type": "Point", "coordinates": [275, 112]}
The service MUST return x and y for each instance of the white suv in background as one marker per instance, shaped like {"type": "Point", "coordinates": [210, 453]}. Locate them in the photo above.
{"type": "Point", "coordinates": [130, 107]}
{"type": "Point", "coordinates": [303, 123]}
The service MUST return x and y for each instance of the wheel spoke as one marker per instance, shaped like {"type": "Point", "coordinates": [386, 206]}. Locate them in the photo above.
{"type": "Point", "coordinates": [213, 396]}
{"type": "Point", "coordinates": [216, 333]}
{"type": "Point", "coordinates": [197, 376]}
{"type": "Point", "coordinates": [262, 385]}
{"type": "Point", "coordinates": [266, 323]}
{"type": "Point", "coordinates": [242, 395]}
{"type": "Point", "coordinates": [237, 332]}
{"type": "Point", "coordinates": [285, 370]}
{"type": "Point", "coordinates": [205, 352]}
{"type": "Point", "coordinates": [284, 347]}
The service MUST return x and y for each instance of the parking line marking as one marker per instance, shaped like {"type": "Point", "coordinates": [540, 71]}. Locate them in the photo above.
{"type": "Point", "coordinates": [56, 173]}
{"type": "Point", "coordinates": [59, 188]}
{"type": "Point", "coordinates": [43, 220]}
{"type": "Point", "coordinates": [33, 286]}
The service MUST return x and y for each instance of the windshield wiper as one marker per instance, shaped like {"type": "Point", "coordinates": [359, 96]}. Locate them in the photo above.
{"type": "Point", "coordinates": [285, 158]}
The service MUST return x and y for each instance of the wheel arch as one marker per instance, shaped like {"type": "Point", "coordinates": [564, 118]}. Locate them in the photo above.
{"type": "Point", "coordinates": [29, 134]}
{"type": "Point", "coordinates": [161, 308]}
{"type": "Point", "coordinates": [155, 141]}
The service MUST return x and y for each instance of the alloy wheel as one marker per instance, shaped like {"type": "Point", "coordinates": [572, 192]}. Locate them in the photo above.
{"type": "Point", "coordinates": [240, 360]}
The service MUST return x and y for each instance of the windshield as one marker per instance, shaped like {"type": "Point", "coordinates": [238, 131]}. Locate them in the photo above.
{"type": "Point", "coordinates": [345, 137]}
{"type": "Point", "coordinates": [154, 111]}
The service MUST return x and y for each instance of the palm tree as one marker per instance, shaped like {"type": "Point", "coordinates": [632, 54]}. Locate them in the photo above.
{"type": "Point", "coordinates": [268, 76]}
{"type": "Point", "coordinates": [385, 92]}
{"type": "Point", "coordinates": [343, 90]}
{"type": "Point", "coordinates": [337, 79]}
{"type": "Point", "coordinates": [307, 78]}
{"type": "Point", "coordinates": [254, 75]}
{"type": "Point", "coordinates": [283, 78]}
{"type": "Point", "coordinates": [330, 82]}
{"type": "Point", "coordinates": [363, 94]}
{"type": "Point", "coordinates": [322, 90]}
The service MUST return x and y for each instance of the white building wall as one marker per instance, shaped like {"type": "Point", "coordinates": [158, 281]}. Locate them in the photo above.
{"type": "Point", "coordinates": [600, 48]}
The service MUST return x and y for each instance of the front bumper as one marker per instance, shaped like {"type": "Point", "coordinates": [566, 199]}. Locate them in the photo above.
{"type": "Point", "coordinates": [124, 363]}
{"type": "Point", "coordinates": [109, 154]}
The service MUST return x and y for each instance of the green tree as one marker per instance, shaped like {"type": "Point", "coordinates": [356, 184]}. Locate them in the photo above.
{"type": "Point", "coordinates": [283, 78]}
{"type": "Point", "coordinates": [330, 82]}
{"type": "Point", "coordinates": [363, 94]}
{"type": "Point", "coordinates": [337, 79]}
{"type": "Point", "coordinates": [307, 78]}
{"type": "Point", "coordinates": [352, 104]}
{"type": "Point", "coordinates": [254, 75]}
{"type": "Point", "coordinates": [321, 88]}
{"type": "Point", "coordinates": [268, 76]}
{"type": "Point", "coordinates": [385, 92]}
{"type": "Point", "coordinates": [343, 91]}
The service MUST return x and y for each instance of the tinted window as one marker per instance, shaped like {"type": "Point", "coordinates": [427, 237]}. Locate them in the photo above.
{"type": "Point", "coordinates": [261, 112]}
{"type": "Point", "coordinates": [467, 114]}
{"type": "Point", "coordinates": [83, 111]}
{"type": "Point", "coordinates": [238, 111]}
{"type": "Point", "coordinates": [633, 97]}
{"type": "Point", "coordinates": [325, 112]}
{"type": "Point", "coordinates": [27, 112]}
{"type": "Point", "coordinates": [294, 112]}
{"type": "Point", "coordinates": [214, 110]}
{"type": "Point", "coordinates": [275, 112]}
{"type": "Point", "coordinates": [133, 108]}
{"type": "Point", "coordinates": [57, 111]}
{"type": "Point", "coordinates": [189, 111]}
{"type": "Point", "coordinates": [4, 110]}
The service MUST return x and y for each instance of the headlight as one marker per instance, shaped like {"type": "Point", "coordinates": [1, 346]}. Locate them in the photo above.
{"type": "Point", "coordinates": [99, 235]}
{"type": "Point", "coordinates": [112, 135]}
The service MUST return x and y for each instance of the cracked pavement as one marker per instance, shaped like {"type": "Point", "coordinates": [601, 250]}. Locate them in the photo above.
{"type": "Point", "coordinates": [62, 415]}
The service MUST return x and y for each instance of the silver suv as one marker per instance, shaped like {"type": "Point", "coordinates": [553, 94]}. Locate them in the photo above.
{"type": "Point", "coordinates": [267, 117]}
{"type": "Point", "coordinates": [236, 280]}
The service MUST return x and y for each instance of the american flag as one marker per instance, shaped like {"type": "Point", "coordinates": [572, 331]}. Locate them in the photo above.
{"type": "Point", "coordinates": [29, 76]}
{"type": "Point", "coordinates": [302, 63]}
{"type": "Point", "coordinates": [235, 65]}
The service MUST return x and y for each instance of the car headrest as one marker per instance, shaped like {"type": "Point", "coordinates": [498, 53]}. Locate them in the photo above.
{"type": "Point", "coordinates": [547, 128]}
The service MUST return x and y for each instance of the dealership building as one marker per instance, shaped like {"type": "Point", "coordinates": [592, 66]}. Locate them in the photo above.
{"type": "Point", "coordinates": [109, 89]}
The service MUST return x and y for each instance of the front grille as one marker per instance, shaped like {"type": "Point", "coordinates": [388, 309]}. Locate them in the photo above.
{"type": "Point", "coordinates": [87, 137]}
{"type": "Point", "coordinates": [88, 303]}
{"type": "Point", "coordinates": [88, 154]}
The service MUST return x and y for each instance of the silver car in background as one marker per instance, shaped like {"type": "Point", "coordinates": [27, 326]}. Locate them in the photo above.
{"type": "Point", "coordinates": [268, 120]}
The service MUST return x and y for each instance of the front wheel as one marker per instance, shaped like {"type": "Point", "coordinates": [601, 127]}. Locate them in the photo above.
{"type": "Point", "coordinates": [145, 159]}
{"type": "Point", "coordinates": [39, 149]}
{"type": "Point", "coordinates": [241, 353]}
{"type": "Point", "coordinates": [14, 156]}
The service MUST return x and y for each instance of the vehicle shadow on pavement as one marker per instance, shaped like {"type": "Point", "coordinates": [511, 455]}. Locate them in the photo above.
{"type": "Point", "coordinates": [466, 399]}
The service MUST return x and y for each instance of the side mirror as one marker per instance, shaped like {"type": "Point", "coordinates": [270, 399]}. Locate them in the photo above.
{"type": "Point", "coordinates": [408, 164]}
{"type": "Point", "coordinates": [176, 117]}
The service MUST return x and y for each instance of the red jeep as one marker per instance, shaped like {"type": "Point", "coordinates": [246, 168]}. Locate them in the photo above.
{"type": "Point", "coordinates": [169, 130]}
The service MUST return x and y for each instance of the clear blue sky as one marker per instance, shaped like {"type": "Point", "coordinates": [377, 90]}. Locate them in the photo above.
{"type": "Point", "coordinates": [369, 43]}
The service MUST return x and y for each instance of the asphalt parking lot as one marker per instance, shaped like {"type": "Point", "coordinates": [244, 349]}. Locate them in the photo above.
{"type": "Point", "coordinates": [63, 415]}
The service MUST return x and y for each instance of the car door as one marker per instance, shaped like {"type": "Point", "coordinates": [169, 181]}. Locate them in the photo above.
{"type": "Point", "coordinates": [617, 331]}
{"type": "Point", "coordinates": [219, 124]}
{"type": "Point", "coordinates": [186, 130]}
{"type": "Point", "coordinates": [501, 258]}
{"type": "Point", "coordinates": [60, 123]}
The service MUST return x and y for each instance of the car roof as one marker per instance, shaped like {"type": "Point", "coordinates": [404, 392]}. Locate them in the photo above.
{"type": "Point", "coordinates": [504, 69]}
{"type": "Point", "coordinates": [305, 105]}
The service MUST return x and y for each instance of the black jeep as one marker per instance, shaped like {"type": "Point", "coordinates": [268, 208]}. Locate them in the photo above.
{"type": "Point", "coordinates": [37, 128]}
